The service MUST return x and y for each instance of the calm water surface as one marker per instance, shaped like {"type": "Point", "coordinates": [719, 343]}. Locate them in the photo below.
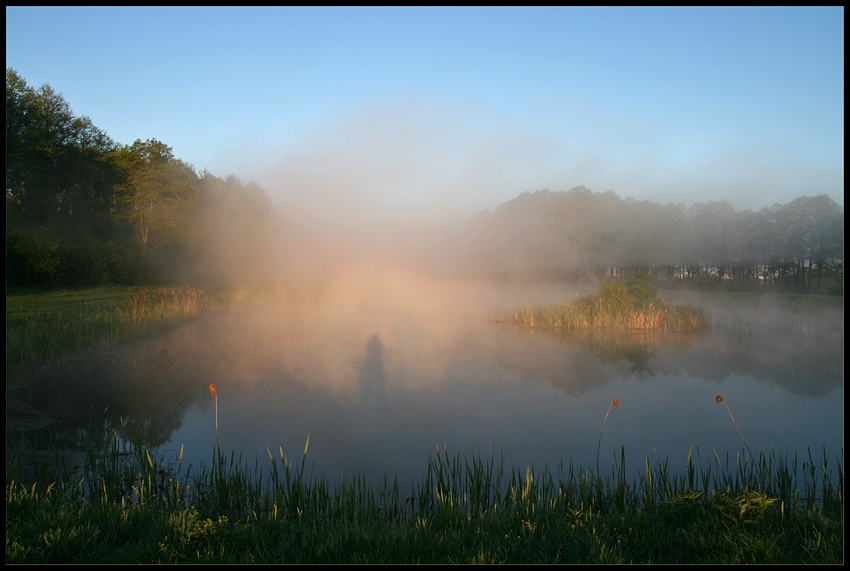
{"type": "Point", "coordinates": [382, 368]}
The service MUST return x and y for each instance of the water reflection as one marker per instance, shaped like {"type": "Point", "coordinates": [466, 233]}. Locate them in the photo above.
{"type": "Point", "coordinates": [380, 374]}
{"type": "Point", "coordinates": [373, 396]}
{"type": "Point", "coordinates": [140, 387]}
{"type": "Point", "coordinates": [808, 363]}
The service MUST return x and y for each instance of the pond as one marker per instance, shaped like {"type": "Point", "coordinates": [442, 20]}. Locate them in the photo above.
{"type": "Point", "coordinates": [381, 368]}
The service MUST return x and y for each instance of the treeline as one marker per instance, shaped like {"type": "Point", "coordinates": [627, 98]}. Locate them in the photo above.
{"type": "Point", "coordinates": [582, 235]}
{"type": "Point", "coordinates": [83, 210]}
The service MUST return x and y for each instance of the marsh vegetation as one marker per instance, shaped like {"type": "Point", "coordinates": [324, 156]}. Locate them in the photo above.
{"type": "Point", "coordinates": [625, 304]}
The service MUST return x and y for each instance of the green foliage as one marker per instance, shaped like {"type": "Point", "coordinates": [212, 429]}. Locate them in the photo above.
{"type": "Point", "coordinates": [55, 170]}
{"type": "Point", "coordinates": [75, 199]}
{"type": "Point", "coordinates": [33, 257]}
{"type": "Point", "coordinates": [40, 257]}
{"type": "Point", "coordinates": [59, 191]}
{"type": "Point", "coordinates": [161, 194]}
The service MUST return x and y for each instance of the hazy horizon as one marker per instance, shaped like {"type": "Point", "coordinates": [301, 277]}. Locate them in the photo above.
{"type": "Point", "coordinates": [444, 112]}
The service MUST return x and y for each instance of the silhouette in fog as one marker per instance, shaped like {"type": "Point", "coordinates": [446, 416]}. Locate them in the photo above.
{"type": "Point", "coordinates": [372, 381]}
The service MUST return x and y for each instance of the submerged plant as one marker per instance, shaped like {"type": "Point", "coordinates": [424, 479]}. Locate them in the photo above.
{"type": "Point", "coordinates": [719, 400]}
{"type": "Point", "coordinates": [614, 403]}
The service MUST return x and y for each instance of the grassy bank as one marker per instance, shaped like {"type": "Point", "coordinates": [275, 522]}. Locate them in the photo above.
{"type": "Point", "coordinates": [127, 506]}
{"type": "Point", "coordinates": [44, 327]}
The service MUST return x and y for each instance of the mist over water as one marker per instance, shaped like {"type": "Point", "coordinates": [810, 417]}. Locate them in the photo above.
{"type": "Point", "coordinates": [382, 364]}
{"type": "Point", "coordinates": [376, 341]}
{"type": "Point", "coordinates": [375, 337]}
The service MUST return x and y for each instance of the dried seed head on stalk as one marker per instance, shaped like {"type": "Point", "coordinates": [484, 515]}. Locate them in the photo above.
{"type": "Point", "coordinates": [719, 399]}
{"type": "Point", "coordinates": [614, 403]}
{"type": "Point", "coordinates": [213, 393]}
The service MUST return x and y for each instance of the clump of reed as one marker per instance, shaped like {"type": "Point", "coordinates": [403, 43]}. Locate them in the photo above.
{"type": "Point", "coordinates": [631, 304]}
{"type": "Point", "coordinates": [144, 307]}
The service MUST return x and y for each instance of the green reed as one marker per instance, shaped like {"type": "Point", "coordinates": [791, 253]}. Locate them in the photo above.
{"type": "Point", "coordinates": [118, 468]}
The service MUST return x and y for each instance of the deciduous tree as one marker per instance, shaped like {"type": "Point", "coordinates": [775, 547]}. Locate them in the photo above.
{"type": "Point", "coordinates": [160, 193]}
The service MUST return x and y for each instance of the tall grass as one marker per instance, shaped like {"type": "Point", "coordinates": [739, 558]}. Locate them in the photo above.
{"type": "Point", "coordinates": [144, 308]}
{"type": "Point", "coordinates": [465, 509]}
{"type": "Point", "coordinates": [117, 467]}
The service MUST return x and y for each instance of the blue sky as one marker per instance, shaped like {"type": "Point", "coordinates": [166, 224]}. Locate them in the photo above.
{"type": "Point", "coordinates": [460, 109]}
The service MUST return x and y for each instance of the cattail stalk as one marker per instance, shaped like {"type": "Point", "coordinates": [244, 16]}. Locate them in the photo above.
{"type": "Point", "coordinates": [214, 393]}
{"type": "Point", "coordinates": [614, 403]}
{"type": "Point", "coordinates": [719, 400]}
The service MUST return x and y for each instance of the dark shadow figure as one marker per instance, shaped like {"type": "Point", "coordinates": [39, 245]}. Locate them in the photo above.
{"type": "Point", "coordinates": [372, 381]}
